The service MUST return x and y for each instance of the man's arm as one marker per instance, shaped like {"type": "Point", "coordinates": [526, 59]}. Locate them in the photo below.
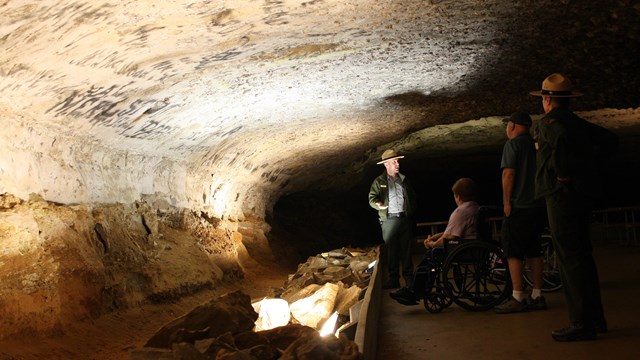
{"type": "Point", "coordinates": [411, 196]}
{"type": "Point", "coordinates": [375, 200]}
{"type": "Point", "coordinates": [438, 239]}
{"type": "Point", "coordinates": [508, 181]}
{"type": "Point", "coordinates": [560, 153]}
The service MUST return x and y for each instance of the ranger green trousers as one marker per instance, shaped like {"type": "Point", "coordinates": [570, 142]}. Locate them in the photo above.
{"type": "Point", "coordinates": [569, 218]}
{"type": "Point", "coordinates": [396, 233]}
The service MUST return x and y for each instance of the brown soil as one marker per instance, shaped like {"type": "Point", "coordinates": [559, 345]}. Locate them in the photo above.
{"type": "Point", "coordinates": [111, 336]}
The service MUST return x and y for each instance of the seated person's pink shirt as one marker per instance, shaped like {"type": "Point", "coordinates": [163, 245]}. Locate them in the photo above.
{"type": "Point", "coordinates": [463, 221]}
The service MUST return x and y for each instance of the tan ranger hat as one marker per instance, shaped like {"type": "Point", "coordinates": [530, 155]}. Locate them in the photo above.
{"type": "Point", "coordinates": [389, 154]}
{"type": "Point", "coordinates": [556, 85]}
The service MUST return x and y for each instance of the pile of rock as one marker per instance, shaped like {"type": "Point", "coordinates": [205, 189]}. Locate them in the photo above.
{"type": "Point", "coordinates": [231, 327]}
{"type": "Point", "coordinates": [223, 329]}
{"type": "Point", "coordinates": [329, 283]}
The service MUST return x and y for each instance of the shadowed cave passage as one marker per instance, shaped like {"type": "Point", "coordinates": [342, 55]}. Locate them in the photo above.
{"type": "Point", "coordinates": [311, 221]}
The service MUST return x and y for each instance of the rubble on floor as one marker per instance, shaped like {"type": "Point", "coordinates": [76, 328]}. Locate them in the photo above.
{"type": "Point", "coordinates": [283, 327]}
{"type": "Point", "coordinates": [328, 283]}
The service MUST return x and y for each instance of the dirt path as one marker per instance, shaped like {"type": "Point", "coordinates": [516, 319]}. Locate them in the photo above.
{"type": "Point", "coordinates": [410, 332]}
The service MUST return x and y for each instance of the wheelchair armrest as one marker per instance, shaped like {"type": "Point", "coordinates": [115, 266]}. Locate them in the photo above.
{"type": "Point", "coordinates": [450, 244]}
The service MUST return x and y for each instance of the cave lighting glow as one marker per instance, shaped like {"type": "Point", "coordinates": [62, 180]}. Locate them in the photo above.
{"type": "Point", "coordinates": [329, 327]}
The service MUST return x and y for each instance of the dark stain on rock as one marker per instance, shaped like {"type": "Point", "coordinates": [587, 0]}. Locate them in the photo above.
{"type": "Point", "coordinates": [101, 233]}
{"type": "Point", "coordinates": [146, 227]}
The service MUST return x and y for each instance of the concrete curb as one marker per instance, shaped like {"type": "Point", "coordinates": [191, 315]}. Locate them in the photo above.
{"type": "Point", "coordinates": [366, 336]}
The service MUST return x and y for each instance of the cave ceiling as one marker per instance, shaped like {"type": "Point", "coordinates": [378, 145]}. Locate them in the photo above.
{"type": "Point", "coordinates": [228, 105]}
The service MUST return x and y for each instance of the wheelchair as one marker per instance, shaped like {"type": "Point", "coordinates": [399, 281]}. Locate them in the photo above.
{"type": "Point", "coordinates": [551, 267]}
{"type": "Point", "coordinates": [472, 274]}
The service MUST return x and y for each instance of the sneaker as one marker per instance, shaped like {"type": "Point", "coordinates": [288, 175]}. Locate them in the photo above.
{"type": "Point", "coordinates": [538, 303]}
{"type": "Point", "coordinates": [404, 296]}
{"type": "Point", "coordinates": [511, 306]}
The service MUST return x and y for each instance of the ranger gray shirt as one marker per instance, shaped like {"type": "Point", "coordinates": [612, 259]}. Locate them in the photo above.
{"type": "Point", "coordinates": [396, 195]}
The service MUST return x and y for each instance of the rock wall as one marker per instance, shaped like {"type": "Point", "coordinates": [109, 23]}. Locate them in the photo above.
{"type": "Point", "coordinates": [60, 264]}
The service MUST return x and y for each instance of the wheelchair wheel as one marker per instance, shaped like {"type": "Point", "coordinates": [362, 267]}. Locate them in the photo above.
{"type": "Point", "coordinates": [476, 275]}
{"type": "Point", "coordinates": [434, 302]}
{"type": "Point", "coordinates": [550, 270]}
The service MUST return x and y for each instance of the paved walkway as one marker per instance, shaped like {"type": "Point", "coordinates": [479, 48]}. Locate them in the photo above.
{"type": "Point", "coordinates": [410, 332]}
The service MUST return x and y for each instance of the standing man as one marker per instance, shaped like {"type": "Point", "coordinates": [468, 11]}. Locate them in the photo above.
{"type": "Point", "coordinates": [566, 175]}
{"type": "Point", "coordinates": [394, 199]}
{"type": "Point", "coordinates": [524, 216]}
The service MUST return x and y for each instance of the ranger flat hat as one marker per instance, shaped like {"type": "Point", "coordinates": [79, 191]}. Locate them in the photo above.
{"type": "Point", "coordinates": [389, 154]}
{"type": "Point", "coordinates": [556, 85]}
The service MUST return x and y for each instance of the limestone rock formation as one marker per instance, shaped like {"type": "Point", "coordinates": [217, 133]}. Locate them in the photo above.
{"type": "Point", "coordinates": [230, 313]}
{"type": "Point", "coordinates": [222, 329]}
{"type": "Point", "coordinates": [109, 257]}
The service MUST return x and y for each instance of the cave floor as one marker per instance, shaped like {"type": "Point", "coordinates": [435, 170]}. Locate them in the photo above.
{"type": "Point", "coordinates": [112, 336]}
{"type": "Point", "coordinates": [410, 332]}
{"type": "Point", "coordinates": [404, 332]}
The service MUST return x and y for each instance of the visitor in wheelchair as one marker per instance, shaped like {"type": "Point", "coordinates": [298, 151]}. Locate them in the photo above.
{"type": "Point", "coordinates": [462, 226]}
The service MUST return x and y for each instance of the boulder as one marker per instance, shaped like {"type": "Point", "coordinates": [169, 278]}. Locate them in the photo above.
{"type": "Point", "coordinates": [317, 347]}
{"type": "Point", "coordinates": [315, 309]}
{"type": "Point", "coordinates": [230, 313]}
